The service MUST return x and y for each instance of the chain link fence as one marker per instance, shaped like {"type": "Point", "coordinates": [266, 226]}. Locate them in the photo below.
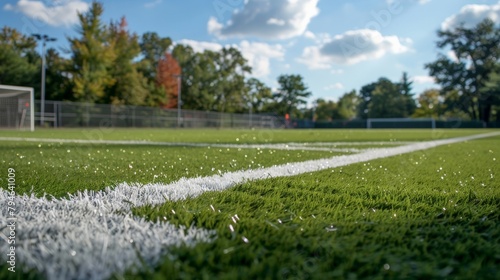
{"type": "Point", "coordinates": [75, 114]}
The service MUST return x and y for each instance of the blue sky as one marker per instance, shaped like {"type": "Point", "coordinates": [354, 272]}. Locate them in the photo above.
{"type": "Point", "coordinates": [336, 45]}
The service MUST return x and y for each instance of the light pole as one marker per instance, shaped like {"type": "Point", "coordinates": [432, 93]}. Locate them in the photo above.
{"type": "Point", "coordinates": [179, 99]}
{"type": "Point", "coordinates": [250, 111]}
{"type": "Point", "coordinates": [44, 39]}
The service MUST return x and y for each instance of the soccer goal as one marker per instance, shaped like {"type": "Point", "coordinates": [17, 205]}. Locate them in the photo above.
{"type": "Point", "coordinates": [401, 123]}
{"type": "Point", "coordinates": [17, 107]}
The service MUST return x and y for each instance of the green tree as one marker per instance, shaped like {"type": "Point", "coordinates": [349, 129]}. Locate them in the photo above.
{"type": "Point", "coordinates": [199, 73]}
{"type": "Point", "coordinates": [212, 81]}
{"type": "Point", "coordinates": [491, 90]}
{"type": "Point", "coordinates": [291, 93]}
{"type": "Point", "coordinates": [58, 85]}
{"type": "Point", "coordinates": [325, 110]}
{"type": "Point", "coordinates": [229, 87]}
{"type": "Point", "coordinates": [365, 95]}
{"type": "Point", "coordinates": [406, 90]}
{"type": "Point", "coordinates": [455, 105]}
{"type": "Point", "coordinates": [19, 62]}
{"type": "Point", "coordinates": [430, 104]}
{"type": "Point", "coordinates": [387, 101]}
{"type": "Point", "coordinates": [92, 56]}
{"type": "Point", "coordinates": [129, 87]}
{"type": "Point", "coordinates": [153, 48]}
{"type": "Point", "coordinates": [477, 50]}
{"type": "Point", "coordinates": [257, 95]}
{"type": "Point", "coordinates": [348, 105]}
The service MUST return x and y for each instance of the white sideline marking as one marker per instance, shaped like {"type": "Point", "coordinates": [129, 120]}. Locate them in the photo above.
{"type": "Point", "coordinates": [374, 143]}
{"type": "Point", "coordinates": [277, 146]}
{"type": "Point", "coordinates": [87, 235]}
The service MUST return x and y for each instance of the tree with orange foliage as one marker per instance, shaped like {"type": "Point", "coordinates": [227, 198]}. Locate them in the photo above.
{"type": "Point", "coordinates": [168, 75]}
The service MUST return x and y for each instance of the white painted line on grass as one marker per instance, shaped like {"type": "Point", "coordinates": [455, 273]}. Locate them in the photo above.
{"type": "Point", "coordinates": [92, 235]}
{"type": "Point", "coordinates": [277, 146]}
{"type": "Point", "coordinates": [357, 143]}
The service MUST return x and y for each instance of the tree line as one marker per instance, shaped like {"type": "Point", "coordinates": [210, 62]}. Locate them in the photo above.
{"type": "Point", "coordinates": [106, 63]}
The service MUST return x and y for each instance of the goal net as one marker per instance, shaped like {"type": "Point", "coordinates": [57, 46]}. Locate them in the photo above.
{"type": "Point", "coordinates": [401, 123]}
{"type": "Point", "coordinates": [17, 110]}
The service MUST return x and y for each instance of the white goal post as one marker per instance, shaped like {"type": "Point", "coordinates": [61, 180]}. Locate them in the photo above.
{"type": "Point", "coordinates": [17, 107]}
{"type": "Point", "coordinates": [401, 123]}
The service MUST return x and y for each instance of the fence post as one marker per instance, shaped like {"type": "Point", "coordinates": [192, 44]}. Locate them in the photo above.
{"type": "Point", "coordinates": [59, 114]}
{"type": "Point", "coordinates": [56, 106]}
{"type": "Point", "coordinates": [133, 116]}
{"type": "Point", "coordinates": [88, 114]}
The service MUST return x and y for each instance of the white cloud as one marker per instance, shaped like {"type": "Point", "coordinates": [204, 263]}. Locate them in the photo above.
{"type": "Point", "coordinates": [421, 2]}
{"type": "Point", "coordinates": [471, 15]}
{"type": "Point", "coordinates": [275, 21]}
{"type": "Point", "coordinates": [269, 19]}
{"type": "Point", "coordinates": [353, 47]}
{"type": "Point", "coordinates": [424, 80]}
{"type": "Point", "coordinates": [334, 86]}
{"type": "Point", "coordinates": [308, 34]}
{"type": "Point", "coordinates": [320, 38]}
{"type": "Point", "coordinates": [259, 55]}
{"type": "Point", "coordinates": [59, 13]}
{"type": "Point", "coordinates": [152, 4]}
{"type": "Point", "coordinates": [200, 46]}
{"type": "Point", "coordinates": [312, 57]}
{"type": "Point", "coordinates": [337, 71]}
{"type": "Point", "coordinates": [214, 26]}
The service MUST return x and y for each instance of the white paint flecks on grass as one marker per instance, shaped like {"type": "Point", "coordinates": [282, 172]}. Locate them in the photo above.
{"type": "Point", "coordinates": [87, 237]}
{"type": "Point", "coordinates": [89, 234]}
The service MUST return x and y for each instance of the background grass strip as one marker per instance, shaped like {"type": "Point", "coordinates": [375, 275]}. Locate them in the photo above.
{"type": "Point", "coordinates": [247, 136]}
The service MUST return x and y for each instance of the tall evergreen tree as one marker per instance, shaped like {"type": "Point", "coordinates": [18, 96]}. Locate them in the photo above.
{"type": "Point", "coordinates": [92, 56]}
{"type": "Point", "coordinates": [406, 87]}
{"type": "Point", "coordinates": [129, 87]}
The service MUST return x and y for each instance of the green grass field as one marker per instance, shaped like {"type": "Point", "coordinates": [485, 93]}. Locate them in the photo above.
{"type": "Point", "coordinates": [243, 136]}
{"type": "Point", "coordinates": [429, 214]}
